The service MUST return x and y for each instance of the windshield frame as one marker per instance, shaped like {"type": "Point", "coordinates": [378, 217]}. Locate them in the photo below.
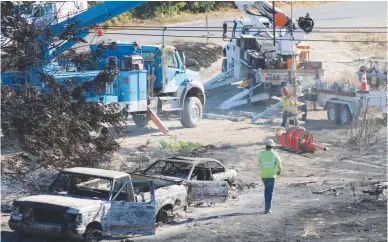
{"type": "Point", "coordinates": [169, 161]}
{"type": "Point", "coordinates": [91, 177]}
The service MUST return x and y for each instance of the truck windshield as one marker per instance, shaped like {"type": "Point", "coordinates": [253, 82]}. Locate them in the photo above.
{"type": "Point", "coordinates": [82, 185]}
{"type": "Point", "coordinates": [168, 168]}
{"type": "Point", "coordinates": [23, 9]}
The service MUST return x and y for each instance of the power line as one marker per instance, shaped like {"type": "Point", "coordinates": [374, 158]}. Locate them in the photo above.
{"type": "Point", "coordinates": [216, 37]}
{"type": "Point", "coordinates": [253, 27]}
{"type": "Point", "coordinates": [217, 30]}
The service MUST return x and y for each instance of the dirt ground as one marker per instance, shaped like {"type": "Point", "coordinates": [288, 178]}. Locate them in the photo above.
{"type": "Point", "coordinates": [298, 213]}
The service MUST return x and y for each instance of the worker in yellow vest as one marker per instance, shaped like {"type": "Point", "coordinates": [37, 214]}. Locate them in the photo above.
{"type": "Point", "coordinates": [270, 166]}
{"type": "Point", "coordinates": [289, 107]}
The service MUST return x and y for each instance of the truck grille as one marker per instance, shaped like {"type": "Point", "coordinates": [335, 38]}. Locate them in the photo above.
{"type": "Point", "coordinates": [48, 216]}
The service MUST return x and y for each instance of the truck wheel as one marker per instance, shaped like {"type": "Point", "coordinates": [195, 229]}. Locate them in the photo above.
{"type": "Point", "coordinates": [224, 65]}
{"type": "Point", "coordinates": [345, 117]}
{"type": "Point", "coordinates": [141, 120]}
{"type": "Point", "coordinates": [92, 235]}
{"type": "Point", "coordinates": [333, 113]}
{"type": "Point", "coordinates": [164, 216]}
{"type": "Point", "coordinates": [192, 112]}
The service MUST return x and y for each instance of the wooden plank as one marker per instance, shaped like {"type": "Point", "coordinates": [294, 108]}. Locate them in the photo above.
{"type": "Point", "coordinates": [158, 122]}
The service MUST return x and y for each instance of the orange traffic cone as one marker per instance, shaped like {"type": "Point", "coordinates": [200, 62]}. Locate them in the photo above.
{"type": "Point", "coordinates": [364, 83]}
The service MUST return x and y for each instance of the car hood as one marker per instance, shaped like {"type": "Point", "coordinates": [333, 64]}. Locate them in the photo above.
{"type": "Point", "coordinates": [59, 202]}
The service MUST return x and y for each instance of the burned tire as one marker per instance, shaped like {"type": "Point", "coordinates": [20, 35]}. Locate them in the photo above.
{"type": "Point", "coordinates": [92, 235]}
{"type": "Point", "coordinates": [345, 117]}
{"type": "Point", "coordinates": [191, 113]}
{"type": "Point", "coordinates": [224, 65]}
{"type": "Point", "coordinates": [141, 120]}
{"type": "Point", "coordinates": [333, 113]}
{"type": "Point", "coordinates": [164, 216]}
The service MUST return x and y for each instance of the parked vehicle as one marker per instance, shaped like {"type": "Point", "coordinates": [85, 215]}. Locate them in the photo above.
{"type": "Point", "coordinates": [185, 181]}
{"type": "Point", "coordinates": [90, 203]}
{"type": "Point", "coordinates": [49, 12]}
{"type": "Point", "coordinates": [153, 80]}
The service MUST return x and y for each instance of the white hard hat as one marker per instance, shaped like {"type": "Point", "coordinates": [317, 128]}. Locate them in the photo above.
{"type": "Point", "coordinates": [269, 142]}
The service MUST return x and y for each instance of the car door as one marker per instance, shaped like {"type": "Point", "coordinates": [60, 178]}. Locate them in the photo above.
{"type": "Point", "coordinates": [206, 190]}
{"type": "Point", "coordinates": [137, 217]}
{"type": "Point", "coordinates": [220, 173]}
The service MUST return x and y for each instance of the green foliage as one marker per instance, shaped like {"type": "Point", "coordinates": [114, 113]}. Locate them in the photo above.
{"type": "Point", "coordinates": [163, 10]}
{"type": "Point", "coordinates": [178, 146]}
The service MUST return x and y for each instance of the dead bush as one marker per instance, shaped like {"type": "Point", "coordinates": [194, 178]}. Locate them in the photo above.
{"type": "Point", "coordinates": [364, 128]}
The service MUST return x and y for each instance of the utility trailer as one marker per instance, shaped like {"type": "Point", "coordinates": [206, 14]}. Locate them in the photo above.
{"type": "Point", "coordinates": [344, 107]}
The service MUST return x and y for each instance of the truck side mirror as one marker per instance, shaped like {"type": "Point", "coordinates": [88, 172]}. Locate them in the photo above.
{"type": "Point", "coordinates": [184, 61]}
{"type": "Point", "coordinates": [225, 29]}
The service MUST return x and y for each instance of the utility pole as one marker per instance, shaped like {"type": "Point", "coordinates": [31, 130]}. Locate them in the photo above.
{"type": "Point", "coordinates": [293, 74]}
{"type": "Point", "coordinates": [273, 24]}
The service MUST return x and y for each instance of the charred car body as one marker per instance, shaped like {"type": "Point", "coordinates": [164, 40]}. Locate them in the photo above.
{"type": "Point", "coordinates": [89, 203]}
{"type": "Point", "coordinates": [185, 181]}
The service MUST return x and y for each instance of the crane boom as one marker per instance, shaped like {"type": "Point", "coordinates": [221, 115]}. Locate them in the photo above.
{"type": "Point", "coordinates": [80, 23]}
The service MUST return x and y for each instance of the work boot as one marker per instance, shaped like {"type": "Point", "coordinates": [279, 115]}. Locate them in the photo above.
{"type": "Point", "coordinates": [268, 211]}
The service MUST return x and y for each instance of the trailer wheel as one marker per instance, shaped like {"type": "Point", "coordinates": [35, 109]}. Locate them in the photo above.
{"type": "Point", "coordinates": [333, 113]}
{"type": "Point", "coordinates": [191, 113]}
{"type": "Point", "coordinates": [345, 117]}
{"type": "Point", "coordinates": [224, 65]}
{"type": "Point", "coordinates": [141, 120]}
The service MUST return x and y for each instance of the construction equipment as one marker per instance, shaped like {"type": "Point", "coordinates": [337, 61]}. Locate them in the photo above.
{"type": "Point", "coordinates": [153, 79]}
{"type": "Point", "coordinates": [252, 57]}
{"type": "Point", "coordinates": [376, 73]}
{"type": "Point", "coordinates": [345, 106]}
{"type": "Point", "coordinates": [43, 13]}
{"type": "Point", "coordinates": [298, 140]}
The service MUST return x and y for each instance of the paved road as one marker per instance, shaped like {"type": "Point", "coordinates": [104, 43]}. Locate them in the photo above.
{"type": "Point", "coordinates": [341, 14]}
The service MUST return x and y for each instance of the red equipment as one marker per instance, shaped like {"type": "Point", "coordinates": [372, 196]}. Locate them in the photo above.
{"type": "Point", "coordinates": [284, 92]}
{"type": "Point", "coordinates": [297, 139]}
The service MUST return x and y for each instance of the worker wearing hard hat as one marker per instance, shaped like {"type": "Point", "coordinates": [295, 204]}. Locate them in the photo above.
{"type": "Point", "coordinates": [288, 106]}
{"type": "Point", "coordinates": [270, 166]}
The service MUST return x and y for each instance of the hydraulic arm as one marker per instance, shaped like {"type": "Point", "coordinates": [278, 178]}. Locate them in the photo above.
{"type": "Point", "coordinates": [81, 23]}
{"type": "Point", "coordinates": [255, 10]}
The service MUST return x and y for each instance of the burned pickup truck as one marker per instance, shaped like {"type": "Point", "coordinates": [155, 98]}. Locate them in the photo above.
{"type": "Point", "coordinates": [88, 203]}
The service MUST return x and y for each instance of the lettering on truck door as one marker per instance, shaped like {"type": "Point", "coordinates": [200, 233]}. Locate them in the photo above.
{"type": "Point", "coordinates": [138, 217]}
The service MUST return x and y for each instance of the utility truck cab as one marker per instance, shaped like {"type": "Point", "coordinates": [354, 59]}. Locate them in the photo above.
{"type": "Point", "coordinates": [152, 77]}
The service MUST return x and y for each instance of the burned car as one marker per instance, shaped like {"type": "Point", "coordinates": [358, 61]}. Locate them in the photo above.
{"type": "Point", "coordinates": [184, 181]}
{"type": "Point", "coordinates": [87, 203]}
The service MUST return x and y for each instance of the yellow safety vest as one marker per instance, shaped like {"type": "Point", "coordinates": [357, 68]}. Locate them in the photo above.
{"type": "Point", "coordinates": [288, 104]}
{"type": "Point", "coordinates": [270, 164]}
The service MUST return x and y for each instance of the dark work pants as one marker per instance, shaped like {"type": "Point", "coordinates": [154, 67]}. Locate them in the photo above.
{"type": "Point", "coordinates": [269, 184]}
{"type": "Point", "coordinates": [286, 114]}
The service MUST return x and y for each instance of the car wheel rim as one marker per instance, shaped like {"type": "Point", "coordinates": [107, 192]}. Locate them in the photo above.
{"type": "Point", "coordinates": [194, 112]}
{"type": "Point", "coordinates": [332, 114]}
